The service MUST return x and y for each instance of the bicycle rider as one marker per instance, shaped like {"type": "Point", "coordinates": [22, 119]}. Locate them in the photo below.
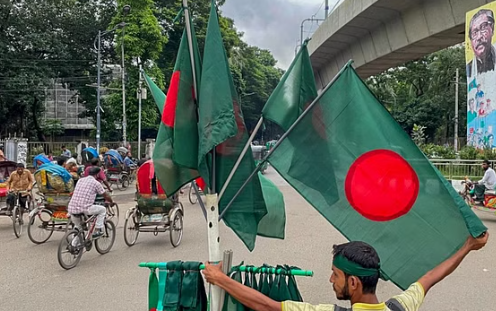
{"type": "Point", "coordinates": [20, 180]}
{"type": "Point", "coordinates": [95, 162]}
{"type": "Point", "coordinates": [83, 200]}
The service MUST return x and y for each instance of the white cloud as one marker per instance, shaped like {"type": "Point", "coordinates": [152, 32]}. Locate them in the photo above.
{"type": "Point", "coordinates": [274, 24]}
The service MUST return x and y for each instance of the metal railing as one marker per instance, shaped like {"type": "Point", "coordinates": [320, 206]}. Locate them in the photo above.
{"type": "Point", "coordinates": [459, 169]}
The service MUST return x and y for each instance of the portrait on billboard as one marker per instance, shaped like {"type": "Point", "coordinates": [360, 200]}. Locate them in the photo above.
{"type": "Point", "coordinates": [481, 76]}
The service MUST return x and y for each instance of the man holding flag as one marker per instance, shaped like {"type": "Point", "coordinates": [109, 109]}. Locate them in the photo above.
{"type": "Point", "coordinates": [355, 274]}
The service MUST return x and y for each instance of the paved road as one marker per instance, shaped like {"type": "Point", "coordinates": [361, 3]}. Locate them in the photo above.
{"type": "Point", "coordinates": [31, 279]}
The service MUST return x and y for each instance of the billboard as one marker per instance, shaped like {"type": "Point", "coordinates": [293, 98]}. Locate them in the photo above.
{"type": "Point", "coordinates": [480, 54]}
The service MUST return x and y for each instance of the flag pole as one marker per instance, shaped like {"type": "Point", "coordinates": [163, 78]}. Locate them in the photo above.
{"type": "Point", "coordinates": [187, 17]}
{"type": "Point", "coordinates": [285, 135]}
{"type": "Point", "coordinates": [241, 156]}
{"type": "Point", "coordinates": [214, 253]}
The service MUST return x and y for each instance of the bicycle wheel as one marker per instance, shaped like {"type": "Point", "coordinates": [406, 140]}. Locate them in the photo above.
{"type": "Point", "coordinates": [131, 227]}
{"type": "Point", "coordinates": [40, 227]}
{"type": "Point", "coordinates": [70, 249]}
{"type": "Point", "coordinates": [176, 227]}
{"type": "Point", "coordinates": [17, 221]}
{"type": "Point", "coordinates": [193, 199]}
{"type": "Point", "coordinates": [181, 207]}
{"type": "Point", "coordinates": [113, 213]}
{"type": "Point", "coordinates": [105, 243]}
{"type": "Point", "coordinates": [124, 183]}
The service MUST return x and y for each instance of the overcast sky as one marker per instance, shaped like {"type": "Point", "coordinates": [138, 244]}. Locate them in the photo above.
{"type": "Point", "coordinates": [274, 24]}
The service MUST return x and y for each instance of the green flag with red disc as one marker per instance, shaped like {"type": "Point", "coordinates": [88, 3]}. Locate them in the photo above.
{"type": "Point", "coordinates": [172, 176]}
{"type": "Point", "coordinates": [376, 185]}
{"type": "Point", "coordinates": [222, 130]}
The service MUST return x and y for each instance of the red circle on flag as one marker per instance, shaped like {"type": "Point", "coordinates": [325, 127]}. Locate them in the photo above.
{"type": "Point", "coordinates": [381, 185]}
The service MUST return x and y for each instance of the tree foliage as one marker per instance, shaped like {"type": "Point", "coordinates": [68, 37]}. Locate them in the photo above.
{"type": "Point", "coordinates": [54, 39]}
{"type": "Point", "coordinates": [423, 92]}
{"type": "Point", "coordinates": [41, 41]}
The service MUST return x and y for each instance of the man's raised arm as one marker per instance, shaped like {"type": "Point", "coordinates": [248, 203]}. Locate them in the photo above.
{"type": "Point", "coordinates": [447, 267]}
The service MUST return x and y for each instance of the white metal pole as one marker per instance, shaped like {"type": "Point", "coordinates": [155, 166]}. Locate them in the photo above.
{"type": "Point", "coordinates": [456, 110]}
{"type": "Point", "coordinates": [98, 107]}
{"type": "Point", "coordinates": [240, 158]}
{"type": "Point", "coordinates": [190, 46]}
{"type": "Point", "coordinates": [140, 96]}
{"type": "Point", "coordinates": [212, 207]}
{"type": "Point", "coordinates": [124, 136]}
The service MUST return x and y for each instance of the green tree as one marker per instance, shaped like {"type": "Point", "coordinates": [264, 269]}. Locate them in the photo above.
{"type": "Point", "coordinates": [423, 92]}
{"type": "Point", "coordinates": [145, 39]}
{"type": "Point", "coordinates": [40, 41]}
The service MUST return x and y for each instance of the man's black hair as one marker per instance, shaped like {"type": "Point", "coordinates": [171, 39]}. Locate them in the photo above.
{"type": "Point", "coordinates": [19, 165]}
{"type": "Point", "coordinates": [364, 255]}
{"type": "Point", "coordinates": [95, 170]}
{"type": "Point", "coordinates": [486, 162]}
{"type": "Point", "coordinates": [61, 161]}
{"type": "Point", "coordinates": [490, 17]}
{"type": "Point", "coordinates": [95, 161]}
{"type": "Point", "coordinates": [63, 146]}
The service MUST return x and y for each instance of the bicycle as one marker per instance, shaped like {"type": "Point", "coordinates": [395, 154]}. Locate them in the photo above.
{"type": "Point", "coordinates": [193, 198]}
{"type": "Point", "coordinates": [80, 238]}
{"type": "Point", "coordinates": [18, 211]}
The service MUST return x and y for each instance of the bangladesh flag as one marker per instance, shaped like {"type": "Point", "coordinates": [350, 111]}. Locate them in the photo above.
{"type": "Point", "coordinates": [293, 93]}
{"type": "Point", "coordinates": [171, 175]}
{"type": "Point", "coordinates": [386, 192]}
{"type": "Point", "coordinates": [181, 108]}
{"type": "Point", "coordinates": [222, 130]}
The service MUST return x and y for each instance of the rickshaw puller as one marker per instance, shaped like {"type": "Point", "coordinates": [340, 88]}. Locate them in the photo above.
{"type": "Point", "coordinates": [20, 180]}
{"type": "Point", "coordinates": [488, 182]}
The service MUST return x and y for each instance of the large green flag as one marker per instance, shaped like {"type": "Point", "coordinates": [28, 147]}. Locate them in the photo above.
{"type": "Point", "coordinates": [171, 175]}
{"type": "Point", "coordinates": [221, 124]}
{"type": "Point", "coordinates": [292, 96]}
{"type": "Point", "coordinates": [386, 192]}
{"type": "Point", "coordinates": [181, 97]}
{"type": "Point", "coordinates": [293, 93]}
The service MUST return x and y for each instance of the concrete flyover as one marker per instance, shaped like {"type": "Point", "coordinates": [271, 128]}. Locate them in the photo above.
{"type": "Point", "coordinates": [380, 34]}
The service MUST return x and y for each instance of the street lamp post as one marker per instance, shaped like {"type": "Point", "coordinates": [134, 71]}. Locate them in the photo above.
{"type": "Point", "coordinates": [126, 10]}
{"type": "Point", "coordinates": [98, 82]}
{"type": "Point", "coordinates": [98, 39]}
{"type": "Point", "coordinates": [98, 47]}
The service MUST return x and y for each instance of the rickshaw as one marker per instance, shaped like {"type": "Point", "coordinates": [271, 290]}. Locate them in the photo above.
{"type": "Point", "coordinates": [7, 168]}
{"type": "Point", "coordinates": [114, 169]}
{"type": "Point", "coordinates": [489, 203]}
{"type": "Point", "coordinates": [88, 154]}
{"type": "Point", "coordinates": [259, 152]}
{"type": "Point", "coordinates": [154, 212]}
{"type": "Point", "coordinates": [55, 186]}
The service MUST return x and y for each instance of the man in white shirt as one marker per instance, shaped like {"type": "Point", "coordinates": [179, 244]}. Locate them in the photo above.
{"type": "Point", "coordinates": [486, 183]}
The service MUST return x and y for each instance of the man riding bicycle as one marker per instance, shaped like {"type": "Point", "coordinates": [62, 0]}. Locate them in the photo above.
{"type": "Point", "coordinates": [95, 162]}
{"type": "Point", "coordinates": [20, 180]}
{"type": "Point", "coordinates": [83, 200]}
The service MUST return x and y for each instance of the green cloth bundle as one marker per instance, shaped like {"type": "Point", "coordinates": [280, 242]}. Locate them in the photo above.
{"type": "Point", "coordinates": [280, 287]}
